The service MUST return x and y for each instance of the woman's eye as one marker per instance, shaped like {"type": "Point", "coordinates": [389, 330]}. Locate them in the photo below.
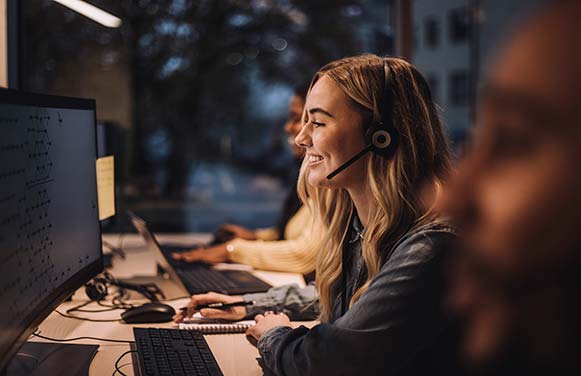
{"type": "Point", "coordinates": [317, 124]}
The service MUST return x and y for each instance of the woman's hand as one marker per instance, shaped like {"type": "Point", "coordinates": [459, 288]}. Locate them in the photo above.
{"type": "Point", "coordinates": [238, 231]}
{"type": "Point", "coordinates": [266, 322]}
{"type": "Point", "coordinates": [211, 255]}
{"type": "Point", "coordinates": [233, 313]}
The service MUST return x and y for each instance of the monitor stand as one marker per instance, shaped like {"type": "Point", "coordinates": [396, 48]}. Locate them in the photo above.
{"type": "Point", "coordinates": [38, 358]}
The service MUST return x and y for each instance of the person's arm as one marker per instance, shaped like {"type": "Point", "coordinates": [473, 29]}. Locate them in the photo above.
{"type": "Point", "coordinates": [294, 255]}
{"type": "Point", "coordinates": [297, 303]}
{"type": "Point", "coordinates": [291, 256]}
{"type": "Point", "coordinates": [301, 304]}
{"type": "Point", "coordinates": [269, 233]}
{"type": "Point", "coordinates": [395, 319]}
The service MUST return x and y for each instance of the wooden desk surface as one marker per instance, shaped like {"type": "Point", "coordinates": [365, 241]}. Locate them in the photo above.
{"type": "Point", "coordinates": [234, 354]}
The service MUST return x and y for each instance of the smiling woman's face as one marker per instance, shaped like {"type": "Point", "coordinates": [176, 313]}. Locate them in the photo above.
{"type": "Point", "coordinates": [332, 133]}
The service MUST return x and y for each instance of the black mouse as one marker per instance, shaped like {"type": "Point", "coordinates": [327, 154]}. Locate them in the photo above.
{"type": "Point", "coordinates": [149, 313]}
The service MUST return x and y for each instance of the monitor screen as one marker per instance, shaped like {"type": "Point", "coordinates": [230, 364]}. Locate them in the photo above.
{"type": "Point", "coordinates": [50, 236]}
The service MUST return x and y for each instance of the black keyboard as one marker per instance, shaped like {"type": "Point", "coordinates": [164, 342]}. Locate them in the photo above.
{"type": "Point", "coordinates": [166, 352]}
{"type": "Point", "coordinates": [199, 278]}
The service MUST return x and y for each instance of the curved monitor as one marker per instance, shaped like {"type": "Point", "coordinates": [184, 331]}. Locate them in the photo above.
{"type": "Point", "coordinates": [50, 235]}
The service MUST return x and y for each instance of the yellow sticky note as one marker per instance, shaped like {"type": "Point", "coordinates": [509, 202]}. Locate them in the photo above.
{"type": "Point", "coordinates": [106, 186]}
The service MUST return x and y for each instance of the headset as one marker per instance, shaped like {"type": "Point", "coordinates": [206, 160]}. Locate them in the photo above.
{"type": "Point", "coordinates": [96, 289]}
{"type": "Point", "coordinates": [381, 138]}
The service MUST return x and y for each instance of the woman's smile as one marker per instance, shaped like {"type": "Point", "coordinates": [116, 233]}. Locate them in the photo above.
{"type": "Point", "coordinates": [315, 159]}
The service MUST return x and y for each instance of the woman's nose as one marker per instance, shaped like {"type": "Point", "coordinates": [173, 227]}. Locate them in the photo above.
{"type": "Point", "coordinates": [303, 139]}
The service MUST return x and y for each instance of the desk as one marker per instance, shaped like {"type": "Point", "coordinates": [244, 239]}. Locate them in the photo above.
{"type": "Point", "coordinates": [234, 354]}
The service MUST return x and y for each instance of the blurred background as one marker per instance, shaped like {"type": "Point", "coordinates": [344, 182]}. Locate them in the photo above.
{"type": "Point", "coordinates": [192, 95]}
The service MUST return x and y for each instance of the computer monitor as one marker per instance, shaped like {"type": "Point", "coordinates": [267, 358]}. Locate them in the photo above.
{"type": "Point", "coordinates": [50, 235]}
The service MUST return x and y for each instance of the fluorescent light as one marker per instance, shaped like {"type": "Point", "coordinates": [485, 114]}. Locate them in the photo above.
{"type": "Point", "coordinates": [92, 12]}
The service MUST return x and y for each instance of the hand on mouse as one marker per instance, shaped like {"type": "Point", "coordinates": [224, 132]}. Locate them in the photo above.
{"type": "Point", "coordinates": [233, 313]}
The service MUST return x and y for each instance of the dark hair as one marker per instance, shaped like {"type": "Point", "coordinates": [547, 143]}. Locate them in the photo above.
{"type": "Point", "coordinates": [302, 89]}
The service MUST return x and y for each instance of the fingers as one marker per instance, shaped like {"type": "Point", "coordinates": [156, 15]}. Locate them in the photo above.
{"type": "Point", "coordinates": [228, 227]}
{"type": "Point", "coordinates": [192, 256]}
{"type": "Point", "coordinates": [218, 314]}
{"type": "Point", "coordinates": [179, 317]}
{"type": "Point", "coordinates": [189, 256]}
{"type": "Point", "coordinates": [252, 335]}
{"type": "Point", "coordinates": [210, 297]}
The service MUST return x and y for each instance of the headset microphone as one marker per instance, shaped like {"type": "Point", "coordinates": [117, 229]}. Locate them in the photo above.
{"type": "Point", "coordinates": [381, 142]}
{"type": "Point", "coordinates": [350, 161]}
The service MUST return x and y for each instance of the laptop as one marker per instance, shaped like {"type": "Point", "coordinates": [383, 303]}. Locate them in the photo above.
{"type": "Point", "coordinates": [197, 278]}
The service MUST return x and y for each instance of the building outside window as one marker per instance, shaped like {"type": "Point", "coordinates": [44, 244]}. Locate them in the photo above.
{"type": "Point", "coordinates": [459, 88]}
{"type": "Point", "coordinates": [433, 83]}
{"type": "Point", "coordinates": [431, 32]}
{"type": "Point", "coordinates": [459, 25]}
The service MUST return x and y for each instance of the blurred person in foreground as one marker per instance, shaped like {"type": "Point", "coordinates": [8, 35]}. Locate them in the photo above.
{"type": "Point", "coordinates": [517, 275]}
{"type": "Point", "coordinates": [283, 247]}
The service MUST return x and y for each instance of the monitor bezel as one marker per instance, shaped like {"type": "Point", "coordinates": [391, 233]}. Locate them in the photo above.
{"type": "Point", "coordinates": [53, 300]}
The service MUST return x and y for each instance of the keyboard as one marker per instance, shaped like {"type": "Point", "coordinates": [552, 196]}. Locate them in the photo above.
{"type": "Point", "coordinates": [199, 278]}
{"type": "Point", "coordinates": [168, 352]}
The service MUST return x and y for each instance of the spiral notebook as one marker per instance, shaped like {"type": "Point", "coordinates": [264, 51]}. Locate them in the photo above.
{"type": "Point", "coordinates": [218, 328]}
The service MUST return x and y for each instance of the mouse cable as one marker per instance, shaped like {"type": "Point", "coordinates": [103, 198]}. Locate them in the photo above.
{"type": "Point", "coordinates": [117, 368]}
{"type": "Point", "coordinates": [107, 308]}
{"type": "Point", "coordinates": [84, 318]}
{"type": "Point", "coordinates": [37, 334]}
{"type": "Point", "coordinates": [178, 298]}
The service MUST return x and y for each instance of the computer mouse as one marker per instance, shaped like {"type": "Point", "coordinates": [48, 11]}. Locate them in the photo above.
{"type": "Point", "coordinates": [149, 313]}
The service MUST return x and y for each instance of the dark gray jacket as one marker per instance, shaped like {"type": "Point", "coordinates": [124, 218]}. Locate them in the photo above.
{"type": "Point", "coordinates": [397, 327]}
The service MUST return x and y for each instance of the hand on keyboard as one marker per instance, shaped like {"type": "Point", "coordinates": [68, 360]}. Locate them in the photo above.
{"type": "Point", "coordinates": [212, 255]}
{"type": "Point", "coordinates": [229, 231]}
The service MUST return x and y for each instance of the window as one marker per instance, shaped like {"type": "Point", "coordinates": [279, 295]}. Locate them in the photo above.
{"type": "Point", "coordinates": [431, 32]}
{"type": "Point", "coordinates": [459, 89]}
{"type": "Point", "coordinates": [199, 92]}
{"type": "Point", "coordinates": [459, 25]}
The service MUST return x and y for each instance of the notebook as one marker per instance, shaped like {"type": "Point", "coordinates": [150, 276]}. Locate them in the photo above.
{"type": "Point", "coordinates": [214, 326]}
{"type": "Point", "coordinates": [219, 328]}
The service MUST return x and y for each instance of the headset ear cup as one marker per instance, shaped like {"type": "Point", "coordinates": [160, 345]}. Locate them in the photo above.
{"type": "Point", "coordinates": [383, 140]}
{"type": "Point", "coordinates": [96, 291]}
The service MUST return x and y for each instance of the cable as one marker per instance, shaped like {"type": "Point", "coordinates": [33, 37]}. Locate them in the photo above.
{"type": "Point", "coordinates": [126, 364]}
{"type": "Point", "coordinates": [80, 338]}
{"type": "Point", "coordinates": [119, 251]}
{"type": "Point", "coordinates": [77, 308]}
{"type": "Point", "coordinates": [117, 369]}
{"type": "Point", "coordinates": [84, 318]}
{"type": "Point", "coordinates": [178, 298]}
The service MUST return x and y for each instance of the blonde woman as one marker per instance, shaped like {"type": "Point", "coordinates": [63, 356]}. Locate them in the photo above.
{"type": "Point", "coordinates": [378, 269]}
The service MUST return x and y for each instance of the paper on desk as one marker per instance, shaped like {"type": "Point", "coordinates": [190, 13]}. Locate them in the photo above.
{"type": "Point", "coordinates": [106, 186]}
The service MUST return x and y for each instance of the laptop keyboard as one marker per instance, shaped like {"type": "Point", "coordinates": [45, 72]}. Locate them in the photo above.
{"type": "Point", "coordinates": [202, 280]}
{"type": "Point", "coordinates": [165, 352]}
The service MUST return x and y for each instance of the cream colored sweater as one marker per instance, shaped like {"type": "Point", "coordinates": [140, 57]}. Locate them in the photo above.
{"type": "Point", "coordinates": [291, 255]}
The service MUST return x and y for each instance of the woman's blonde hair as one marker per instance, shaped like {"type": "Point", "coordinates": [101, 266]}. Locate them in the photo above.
{"type": "Point", "coordinates": [422, 156]}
